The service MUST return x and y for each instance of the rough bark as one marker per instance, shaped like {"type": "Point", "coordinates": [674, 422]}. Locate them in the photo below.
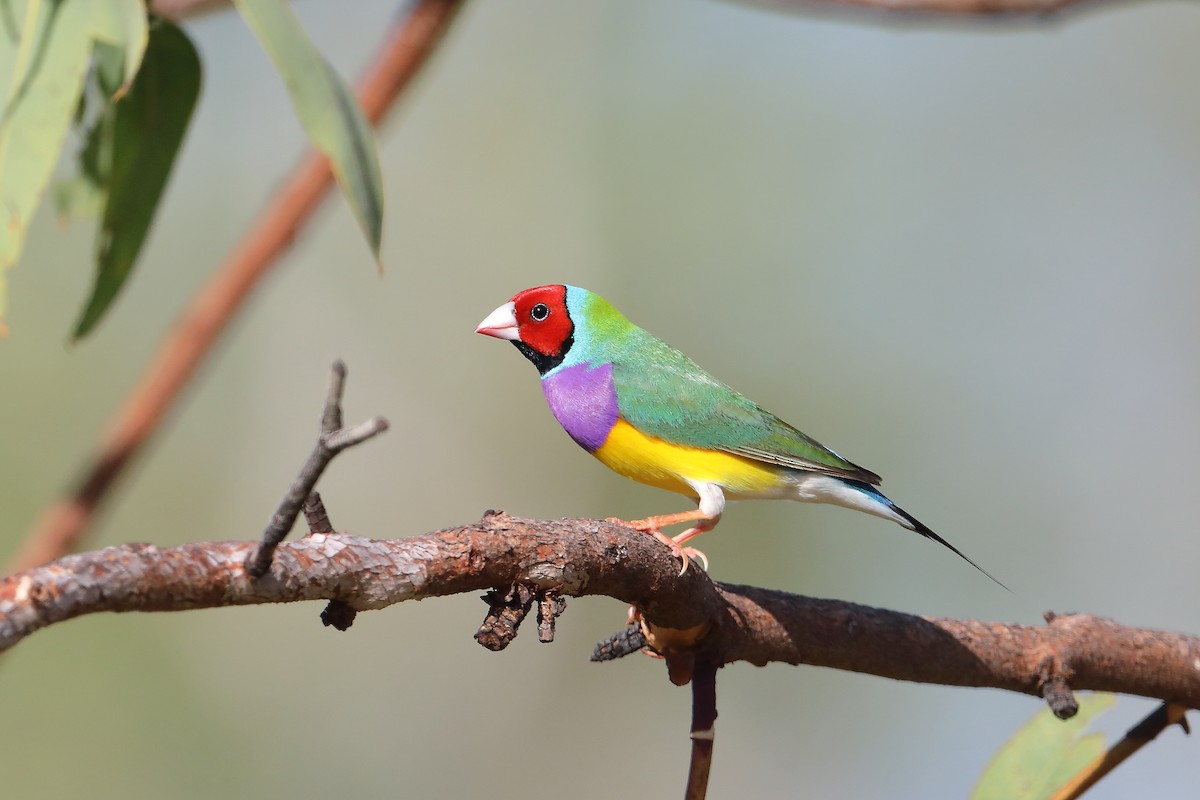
{"type": "Point", "coordinates": [687, 617]}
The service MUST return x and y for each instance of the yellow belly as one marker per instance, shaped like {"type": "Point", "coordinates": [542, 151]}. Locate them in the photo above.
{"type": "Point", "coordinates": [652, 461]}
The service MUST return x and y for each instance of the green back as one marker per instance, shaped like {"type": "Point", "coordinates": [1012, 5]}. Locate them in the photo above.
{"type": "Point", "coordinates": [663, 393]}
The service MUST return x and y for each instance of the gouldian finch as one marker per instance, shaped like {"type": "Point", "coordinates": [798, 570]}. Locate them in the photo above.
{"type": "Point", "coordinates": [648, 412]}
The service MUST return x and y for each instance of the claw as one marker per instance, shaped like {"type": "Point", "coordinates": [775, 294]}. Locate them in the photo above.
{"type": "Point", "coordinates": [678, 550]}
{"type": "Point", "coordinates": [693, 553]}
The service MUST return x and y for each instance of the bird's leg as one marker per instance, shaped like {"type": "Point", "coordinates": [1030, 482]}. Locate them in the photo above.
{"type": "Point", "coordinates": [652, 525]}
{"type": "Point", "coordinates": [706, 517]}
{"type": "Point", "coordinates": [694, 531]}
{"type": "Point", "coordinates": [663, 520]}
{"type": "Point", "coordinates": [705, 524]}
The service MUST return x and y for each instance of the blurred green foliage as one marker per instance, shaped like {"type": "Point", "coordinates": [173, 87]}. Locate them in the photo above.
{"type": "Point", "coordinates": [53, 51]}
{"type": "Point", "coordinates": [45, 51]}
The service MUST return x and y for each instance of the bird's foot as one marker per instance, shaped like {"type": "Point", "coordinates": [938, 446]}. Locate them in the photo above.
{"type": "Point", "coordinates": [678, 550]}
{"type": "Point", "coordinates": [691, 533]}
{"type": "Point", "coordinates": [696, 555]}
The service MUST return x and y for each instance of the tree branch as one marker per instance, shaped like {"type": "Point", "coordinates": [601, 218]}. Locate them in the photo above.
{"type": "Point", "coordinates": [688, 618]}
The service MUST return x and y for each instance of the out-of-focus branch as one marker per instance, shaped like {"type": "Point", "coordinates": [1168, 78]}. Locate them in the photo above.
{"type": "Point", "coordinates": [185, 347]}
{"type": "Point", "coordinates": [689, 619]}
{"type": "Point", "coordinates": [181, 9]}
{"type": "Point", "coordinates": [934, 8]}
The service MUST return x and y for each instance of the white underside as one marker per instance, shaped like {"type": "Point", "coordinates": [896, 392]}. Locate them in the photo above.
{"type": "Point", "coordinates": [804, 487]}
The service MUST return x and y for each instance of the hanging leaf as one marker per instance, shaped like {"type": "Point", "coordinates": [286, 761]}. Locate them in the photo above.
{"type": "Point", "coordinates": [326, 108]}
{"type": "Point", "coordinates": [146, 129]}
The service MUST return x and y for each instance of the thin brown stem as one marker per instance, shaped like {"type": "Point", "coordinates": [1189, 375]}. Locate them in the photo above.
{"type": "Point", "coordinates": [704, 730]}
{"type": "Point", "coordinates": [1138, 736]}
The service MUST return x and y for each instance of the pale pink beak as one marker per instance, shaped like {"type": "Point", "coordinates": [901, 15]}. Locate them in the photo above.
{"type": "Point", "coordinates": [501, 323]}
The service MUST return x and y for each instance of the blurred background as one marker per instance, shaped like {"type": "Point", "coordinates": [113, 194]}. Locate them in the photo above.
{"type": "Point", "coordinates": [964, 255]}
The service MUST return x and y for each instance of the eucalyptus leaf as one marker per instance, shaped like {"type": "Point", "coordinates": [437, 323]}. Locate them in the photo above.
{"type": "Point", "coordinates": [129, 18]}
{"type": "Point", "coordinates": [147, 127]}
{"type": "Point", "coordinates": [77, 199]}
{"type": "Point", "coordinates": [326, 108]}
{"type": "Point", "coordinates": [83, 196]}
{"type": "Point", "coordinates": [1044, 754]}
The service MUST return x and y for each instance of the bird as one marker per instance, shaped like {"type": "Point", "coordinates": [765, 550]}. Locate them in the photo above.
{"type": "Point", "coordinates": [650, 413]}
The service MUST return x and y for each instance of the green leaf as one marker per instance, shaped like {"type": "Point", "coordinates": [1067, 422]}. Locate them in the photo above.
{"type": "Point", "coordinates": [133, 32]}
{"type": "Point", "coordinates": [109, 70]}
{"type": "Point", "coordinates": [84, 195]}
{"type": "Point", "coordinates": [146, 130]}
{"type": "Point", "coordinates": [1044, 754]}
{"type": "Point", "coordinates": [78, 198]}
{"type": "Point", "coordinates": [44, 60]}
{"type": "Point", "coordinates": [326, 108]}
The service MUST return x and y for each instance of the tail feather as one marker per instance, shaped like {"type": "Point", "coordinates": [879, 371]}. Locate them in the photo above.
{"type": "Point", "coordinates": [909, 521]}
{"type": "Point", "coordinates": [924, 530]}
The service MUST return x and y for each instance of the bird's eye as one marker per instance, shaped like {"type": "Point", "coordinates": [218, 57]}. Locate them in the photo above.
{"type": "Point", "coordinates": [539, 312]}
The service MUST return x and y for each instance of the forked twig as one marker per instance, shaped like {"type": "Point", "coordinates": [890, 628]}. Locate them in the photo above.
{"type": "Point", "coordinates": [333, 440]}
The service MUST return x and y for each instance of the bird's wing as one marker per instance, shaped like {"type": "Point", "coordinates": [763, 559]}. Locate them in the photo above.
{"type": "Point", "coordinates": [664, 394]}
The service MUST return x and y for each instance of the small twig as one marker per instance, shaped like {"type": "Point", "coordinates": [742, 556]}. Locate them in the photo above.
{"type": "Point", "coordinates": [1054, 686]}
{"type": "Point", "coordinates": [339, 440]}
{"type": "Point", "coordinates": [551, 605]}
{"type": "Point", "coordinates": [704, 722]}
{"type": "Point", "coordinates": [620, 644]}
{"type": "Point", "coordinates": [505, 614]}
{"type": "Point", "coordinates": [332, 441]}
{"type": "Point", "coordinates": [331, 415]}
{"type": "Point", "coordinates": [1059, 697]}
{"type": "Point", "coordinates": [315, 514]}
{"type": "Point", "coordinates": [337, 613]}
{"type": "Point", "coordinates": [1139, 735]}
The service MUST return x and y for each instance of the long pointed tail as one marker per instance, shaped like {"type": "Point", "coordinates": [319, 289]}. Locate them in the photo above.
{"type": "Point", "coordinates": [909, 521]}
{"type": "Point", "coordinates": [924, 530]}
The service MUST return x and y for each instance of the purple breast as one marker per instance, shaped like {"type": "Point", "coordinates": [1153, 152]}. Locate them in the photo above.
{"type": "Point", "coordinates": [584, 402]}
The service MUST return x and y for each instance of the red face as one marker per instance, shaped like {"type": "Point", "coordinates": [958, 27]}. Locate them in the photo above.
{"type": "Point", "coordinates": [542, 319]}
{"type": "Point", "coordinates": [537, 322]}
